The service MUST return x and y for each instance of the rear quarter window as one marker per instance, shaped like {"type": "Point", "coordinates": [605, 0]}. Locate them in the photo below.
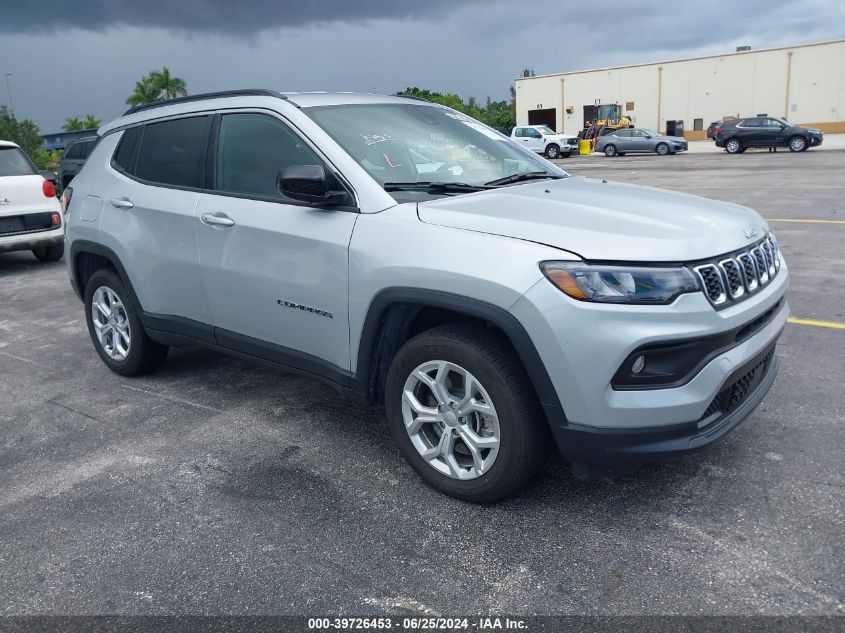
{"type": "Point", "coordinates": [13, 162]}
{"type": "Point", "coordinates": [124, 155]}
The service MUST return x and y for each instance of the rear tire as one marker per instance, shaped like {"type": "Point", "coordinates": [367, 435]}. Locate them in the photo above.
{"type": "Point", "coordinates": [50, 253]}
{"type": "Point", "coordinates": [552, 151]}
{"type": "Point", "coordinates": [610, 151]}
{"type": "Point", "coordinates": [459, 355]}
{"type": "Point", "coordinates": [118, 334]}
{"type": "Point", "coordinates": [797, 144]}
{"type": "Point", "coordinates": [733, 146]}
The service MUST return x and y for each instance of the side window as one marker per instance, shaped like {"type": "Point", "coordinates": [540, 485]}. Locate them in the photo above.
{"type": "Point", "coordinates": [533, 133]}
{"type": "Point", "coordinates": [251, 151]}
{"type": "Point", "coordinates": [85, 148]}
{"type": "Point", "coordinates": [74, 151]}
{"type": "Point", "coordinates": [173, 152]}
{"type": "Point", "coordinates": [772, 123]}
{"type": "Point", "coordinates": [520, 132]}
{"type": "Point", "coordinates": [124, 155]}
{"type": "Point", "coordinates": [752, 123]}
{"type": "Point", "coordinates": [625, 133]}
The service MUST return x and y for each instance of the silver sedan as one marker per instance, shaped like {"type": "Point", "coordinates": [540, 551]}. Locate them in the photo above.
{"type": "Point", "coordinates": [631, 140]}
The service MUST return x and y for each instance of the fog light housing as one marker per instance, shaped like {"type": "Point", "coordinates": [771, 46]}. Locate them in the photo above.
{"type": "Point", "coordinates": [638, 365]}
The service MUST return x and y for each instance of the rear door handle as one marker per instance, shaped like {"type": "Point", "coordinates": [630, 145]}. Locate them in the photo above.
{"type": "Point", "coordinates": [122, 203]}
{"type": "Point", "coordinates": [217, 219]}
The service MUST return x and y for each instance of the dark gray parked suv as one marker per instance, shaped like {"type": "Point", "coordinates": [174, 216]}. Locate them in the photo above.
{"type": "Point", "coordinates": [74, 158]}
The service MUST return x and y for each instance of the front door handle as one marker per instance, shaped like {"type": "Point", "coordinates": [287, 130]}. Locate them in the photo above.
{"type": "Point", "coordinates": [122, 203]}
{"type": "Point", "coordinates": [217, 219]}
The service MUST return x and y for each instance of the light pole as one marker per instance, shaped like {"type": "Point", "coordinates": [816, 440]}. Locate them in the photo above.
{"type": "Point", "coordinates": [9, 90]}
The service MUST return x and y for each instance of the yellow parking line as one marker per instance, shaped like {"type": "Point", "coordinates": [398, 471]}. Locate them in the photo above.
{"type": "Point", "coordinates": [808, 221]}
{"type": "Point", "coordinates": [830, 324]}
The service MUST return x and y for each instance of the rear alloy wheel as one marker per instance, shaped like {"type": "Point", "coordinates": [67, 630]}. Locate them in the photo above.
{"type": "Point", "coordinates": [463, 413]}
{"type": "Point", "coordinates": [733, 146]}
{"type": "Point", "coordinates": [797, 144]}
{"type": "Point", "coordinates": [552, 151]}
{"type": "Point", "coordinates": [662, 149]}
{"type": "Point", "coordinates": [51, 253]}
{"type": "Point", "coordinates": [115, 327]}
{"type": "Point", "coordinates": [610, 150]}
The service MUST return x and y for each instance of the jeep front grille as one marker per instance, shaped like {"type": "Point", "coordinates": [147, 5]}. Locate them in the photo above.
{"type": "Point", "coordinates": [738, 275]}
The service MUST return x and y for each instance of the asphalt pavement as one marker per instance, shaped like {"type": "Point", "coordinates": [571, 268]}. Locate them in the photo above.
{"type": "Point", "coordinates": [220, 487]}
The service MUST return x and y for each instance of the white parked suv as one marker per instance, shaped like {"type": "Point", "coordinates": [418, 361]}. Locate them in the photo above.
{"type": "Point", "coordinates": [543, 140]}
{"type": "Point", "coordinates": [30, 213]}
{"type": "Point", "coordinates": [494, 304]}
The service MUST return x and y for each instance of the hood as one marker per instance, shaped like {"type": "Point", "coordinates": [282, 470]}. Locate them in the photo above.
{"type": "Point", "coordinates": [677, 139]}
{"type": "Point", "coordinates": [602, 221]}
{"type": "Point", "coordinates": [565, 137]}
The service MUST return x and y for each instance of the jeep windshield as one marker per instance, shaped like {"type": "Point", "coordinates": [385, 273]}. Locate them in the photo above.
{"type": "Point", "coordinates": [428, 149]}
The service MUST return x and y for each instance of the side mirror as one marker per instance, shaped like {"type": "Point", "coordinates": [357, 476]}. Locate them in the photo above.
{"type": "Point", "coordinates": [311, 183]}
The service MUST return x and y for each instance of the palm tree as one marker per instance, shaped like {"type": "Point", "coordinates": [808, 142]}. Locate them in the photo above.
{"type": "Point", "coordinates": [92, 122]}
{"type": "Point", "coordinates": [157, 86]}
{"type": "Point", "coordinates": [73, 124]}
{"type": "Point", "coordinates": [169, 86]}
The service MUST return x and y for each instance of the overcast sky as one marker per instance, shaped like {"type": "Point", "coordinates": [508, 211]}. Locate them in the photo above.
{"type": "Point", "coordinates": [84, 56]}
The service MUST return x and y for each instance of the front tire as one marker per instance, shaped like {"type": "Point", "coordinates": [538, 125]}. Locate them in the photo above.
{"type": "Point", "coordinates": [733, 146]}
{"type": "Point", "coordinates": [797, 144]}
{"type": "Point", "coordinates": [115, 327]}
{"type": "Point", "coordinates": [552, 151]}
{"type": "Point", "coordinates": [51, 253]}
{"type": "Point", "coordinates": [662, 149]}
{"type": "Point", "coordinates": [464, 414]}
{"type": "Point", "coordinates": [610, 151]}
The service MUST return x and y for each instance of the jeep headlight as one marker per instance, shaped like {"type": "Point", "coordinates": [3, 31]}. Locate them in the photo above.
{"type": "Point", "coordinates": [620, 284]}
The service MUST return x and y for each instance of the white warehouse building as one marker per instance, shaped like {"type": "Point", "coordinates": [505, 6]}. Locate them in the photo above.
{"type": "Point", "coordinates": [804, 84]}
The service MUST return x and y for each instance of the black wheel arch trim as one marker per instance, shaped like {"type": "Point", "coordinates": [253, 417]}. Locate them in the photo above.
{"type": "Point", "coordinates": [498, 316]}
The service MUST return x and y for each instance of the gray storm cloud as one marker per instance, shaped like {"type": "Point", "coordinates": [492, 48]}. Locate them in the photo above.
{"type": "Point", "coordinates": [223, 16]}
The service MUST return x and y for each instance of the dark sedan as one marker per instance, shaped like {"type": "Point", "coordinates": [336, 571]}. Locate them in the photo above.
{"type": "Point", "coordinates": [737, 136]}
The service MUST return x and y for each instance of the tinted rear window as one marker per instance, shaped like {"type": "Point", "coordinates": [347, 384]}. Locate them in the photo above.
{"type": "Point", "coordinates": [124, 156]}
{"type": "Point", "coordinates": [13, 162]}
{"type": "Point", "coordinates": [80, 149]}
{"type": "Point", "coordinates": [173, 152]}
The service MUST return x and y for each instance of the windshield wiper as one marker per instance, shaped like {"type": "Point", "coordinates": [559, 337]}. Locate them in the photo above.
{"type": "Point", "coordinates": [526, 175]}
{"type": "Point", "coordinates": [435, 187]}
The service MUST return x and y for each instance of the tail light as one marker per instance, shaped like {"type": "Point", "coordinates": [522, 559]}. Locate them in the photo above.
{"type": "Point", "coordinates": [717, 130]}
{"type": "Point", "coordinates": [66, 199]}
{"type": "Point", "coordinates": [49, 189]}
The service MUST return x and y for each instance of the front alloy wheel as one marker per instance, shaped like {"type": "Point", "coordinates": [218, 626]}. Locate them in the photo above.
{"type": "Point", "coordinates": [111, 323]}
{"type": "Point", "coordinates": [450, 419]}
{"type": "Point", "coordinates": [797, 144]}
{"type": "Point", "coordinates": [439, 397]}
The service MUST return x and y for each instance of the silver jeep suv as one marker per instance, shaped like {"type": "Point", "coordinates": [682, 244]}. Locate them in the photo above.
{"type": "Point", "coordinates": [409, 255]}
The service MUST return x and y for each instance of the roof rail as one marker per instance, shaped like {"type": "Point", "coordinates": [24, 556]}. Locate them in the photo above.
{"type": "Point", "coordinates": [252, 92]}
{"type": "Point", "coordinates": [415, 98]}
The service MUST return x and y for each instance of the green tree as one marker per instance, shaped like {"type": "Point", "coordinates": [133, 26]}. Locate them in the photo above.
{"type": "Point", "coordinates": [493, 113]}
{"type": "Point", "coordinates": [23, 132]}
{"type": "Point", "coordinates": [158, 85]}
{"type": "Point", "coordinates": [74, 123]}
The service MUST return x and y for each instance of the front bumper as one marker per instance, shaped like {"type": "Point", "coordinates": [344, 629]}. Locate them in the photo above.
{"type": "Point", "coordinates": [582, 345]}
{"type": "Point", "coordinates": [599, 453]}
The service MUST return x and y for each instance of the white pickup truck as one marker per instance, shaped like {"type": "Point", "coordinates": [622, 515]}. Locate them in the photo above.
{"type": "Point", "coordinates": [543, 140]}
